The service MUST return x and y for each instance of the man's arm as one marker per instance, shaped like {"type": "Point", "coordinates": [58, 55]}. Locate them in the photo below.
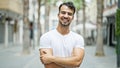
{"type": "Point", "coordinates": [48, 52]}
{"type": "Point", "coordinates": [74, 60]}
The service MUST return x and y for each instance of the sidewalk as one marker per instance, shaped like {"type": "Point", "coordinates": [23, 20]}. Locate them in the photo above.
{"type": "Point", "coordinates": [12, 58]}
{"type": "Point", "coordinates": [92, 61]}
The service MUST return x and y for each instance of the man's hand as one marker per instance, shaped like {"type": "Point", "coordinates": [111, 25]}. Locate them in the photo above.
{"type": "Point", "coordinates": [46, 58]}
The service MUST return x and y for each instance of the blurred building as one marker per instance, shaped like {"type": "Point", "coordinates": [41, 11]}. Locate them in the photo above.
{"type": "Point", "coordinates": [11, 12]}
{"type": "Point", "coordinates": [110, 7]}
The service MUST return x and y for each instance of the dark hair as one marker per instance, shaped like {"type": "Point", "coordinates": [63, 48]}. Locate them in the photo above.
{"type": "Point", "coordinates": [69, 4]}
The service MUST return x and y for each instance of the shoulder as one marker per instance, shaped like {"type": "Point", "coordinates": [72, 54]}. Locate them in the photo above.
{"type": "Point", "coordinates": [47, 34]}
{"type": "Point", "coordinates": [76, 35]}
{"type": "Point", "coordinates": [79, 40]}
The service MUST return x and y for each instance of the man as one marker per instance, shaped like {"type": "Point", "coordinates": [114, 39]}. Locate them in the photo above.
{"type": "Point", "coordinates": [31, 34]}
{"type": "Point", "coordinates": [62, 48]}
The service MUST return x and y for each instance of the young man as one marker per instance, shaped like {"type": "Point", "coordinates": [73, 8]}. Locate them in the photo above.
{"type": "Point", "coordinates": [62, 48]}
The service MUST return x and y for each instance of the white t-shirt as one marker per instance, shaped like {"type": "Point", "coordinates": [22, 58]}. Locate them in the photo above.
{"type": "Point", "coordinates": [62, 45]}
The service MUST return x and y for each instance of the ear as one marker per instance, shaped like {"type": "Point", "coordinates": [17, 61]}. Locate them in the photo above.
{"type": "Point", "coordinates": [58, 14]}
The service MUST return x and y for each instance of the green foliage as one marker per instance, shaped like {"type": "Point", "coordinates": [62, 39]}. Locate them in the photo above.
{"type": "Point", "coordinates": [49, 2]}
{"type": "Point", "coordinates": [52, 1]}
{"type": "Point", "coordinates": [118, 23]}
{"type": "Point", "coordinates": [118, 45]}
{"type": "Point", "coordinates": [78, 4]}
{"type": "Point", "coordinates": [118, 31]}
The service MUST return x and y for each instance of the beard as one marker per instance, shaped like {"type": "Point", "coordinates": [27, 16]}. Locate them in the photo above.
{"type": "Point", "coordinates": [65, 24]}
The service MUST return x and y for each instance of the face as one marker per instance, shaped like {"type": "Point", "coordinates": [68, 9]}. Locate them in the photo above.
{"type": "Point", "coordinates": [65, 15]}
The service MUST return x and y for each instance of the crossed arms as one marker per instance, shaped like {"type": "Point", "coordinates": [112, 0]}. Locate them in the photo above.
{"type": "Point", "coordinates": [51, 61]}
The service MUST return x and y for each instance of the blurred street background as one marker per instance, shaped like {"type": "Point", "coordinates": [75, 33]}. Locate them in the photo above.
{"type": "Point", "coordinates": [22, 22]}
{"type": "Point", "coordinates": [12, 57]}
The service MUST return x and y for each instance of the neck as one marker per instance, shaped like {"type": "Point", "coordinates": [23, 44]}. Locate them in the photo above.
{"type": "Point", "coordinates": [63, 30]}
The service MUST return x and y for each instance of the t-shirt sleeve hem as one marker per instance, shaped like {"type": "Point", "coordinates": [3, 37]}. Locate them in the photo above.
{"type": "Point", "coordinates": [43, 47]}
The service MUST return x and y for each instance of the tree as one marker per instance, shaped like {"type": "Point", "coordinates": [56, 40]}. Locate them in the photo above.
{"type": "Point", "coordinates": [118, 34]}
{"type": "Point", "coordinates": [26, 46]}
{"type": "Point", "coordinates": [118, 37]}
{"type": "Point", "coordinates": [47, 10]}
{"type": "Point", "coordinates": [99, 44]}
{"type": "Point", "coordinates": [84, 20]}
{"type": "Point", "coordinates": [79, 5]}
{"type": "Point", "coordinates": [48, 4]}
{"type": "Point", "coordinates": [39, 23]}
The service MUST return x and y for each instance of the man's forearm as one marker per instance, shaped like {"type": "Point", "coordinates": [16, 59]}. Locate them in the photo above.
{"type": "Point", "coordinates": [75, 60]}
{"type": "Point", "coordinates": [68, 61]}
{"type": "Point", "coordinates": [52, 65]}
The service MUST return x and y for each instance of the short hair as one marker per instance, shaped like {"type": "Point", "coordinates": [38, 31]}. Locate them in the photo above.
{"type": "Point", "coordinates": [68, 4]}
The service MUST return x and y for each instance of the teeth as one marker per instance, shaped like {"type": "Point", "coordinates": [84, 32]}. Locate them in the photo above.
{"type": "Point", "coordinates": [65, 20]}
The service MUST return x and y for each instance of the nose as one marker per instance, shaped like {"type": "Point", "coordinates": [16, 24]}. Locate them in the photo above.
{"type": "Point", "coordinates": [66, 15]}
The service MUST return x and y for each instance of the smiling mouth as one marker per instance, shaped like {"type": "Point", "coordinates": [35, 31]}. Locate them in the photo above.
{"type": "Point", "coordinates": [65, 20]}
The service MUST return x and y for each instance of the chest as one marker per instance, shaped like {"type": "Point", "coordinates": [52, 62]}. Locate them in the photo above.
{"type": "Point", "coordinates": [62, 45]}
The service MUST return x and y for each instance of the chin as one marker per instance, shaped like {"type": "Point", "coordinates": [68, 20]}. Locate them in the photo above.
{"type": "Point", "coordinates": [65, 24]}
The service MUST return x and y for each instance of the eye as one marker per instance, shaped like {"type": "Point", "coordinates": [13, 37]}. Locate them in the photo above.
{"type": "Point", "coordinates": [63, 12]}
{"type": "Point", "coordinates": [70, 14]}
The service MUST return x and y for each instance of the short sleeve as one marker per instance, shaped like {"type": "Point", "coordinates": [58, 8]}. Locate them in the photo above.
{"type": "Point", "coordinates": [45, 41]}
{"type": "Point", "coordinates": [80, 42]}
